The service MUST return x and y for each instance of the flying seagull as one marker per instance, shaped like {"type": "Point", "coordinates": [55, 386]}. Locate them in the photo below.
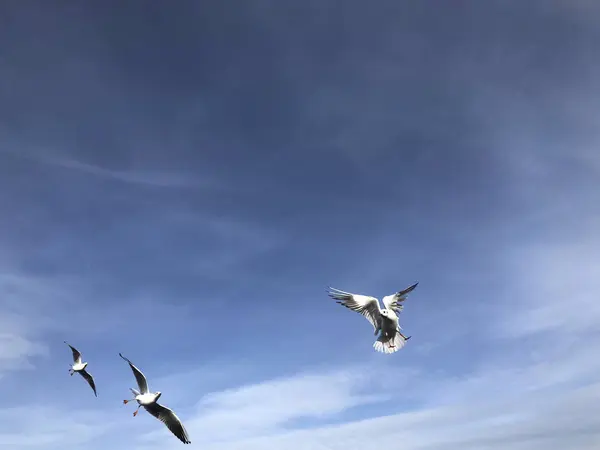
{"type": "Point", "coordinates": [79, 367]}
{"type": "Point", "coordinates": [148, 400]}
{"type": "Point", "coordinates": [384, 320]}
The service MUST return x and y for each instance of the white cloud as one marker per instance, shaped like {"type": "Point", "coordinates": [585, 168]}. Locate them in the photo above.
{"type": "Point", "coordinates": [557, 285]}
{"type": "Point", "coordinates": [534, 386]}
{"type": "Point", "coordinates": [492, 410]}
{"type": "Point", "coordinates": [275, 405]}
{"type": "Point", "coordinates": [50, 427]}
{"type": "Point", "coordinates": [23, 303]}
{"type": "Point", "coordinates": [534, 389]}
{"type": "Point", "coordinates": [542, 398]}
{"type": "Point", "coordinates": [16, 351]}
{"type": "Point", "coordinates": [519, 408]}
{"type": "Point", "coordinates": [37, 313]}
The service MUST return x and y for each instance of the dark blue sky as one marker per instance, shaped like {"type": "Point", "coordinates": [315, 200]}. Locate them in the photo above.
{"type": "Point", "coordinates": [202, 166]}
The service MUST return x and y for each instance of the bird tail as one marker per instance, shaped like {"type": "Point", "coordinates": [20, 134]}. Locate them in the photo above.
{"type": "Point", "coordinates": [135, 392]}
{"type": "Point", "coordinates": [386, 344]}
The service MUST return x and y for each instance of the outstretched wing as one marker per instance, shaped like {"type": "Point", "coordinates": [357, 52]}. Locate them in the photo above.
{"type": "Point", "coordinates": [394, 302]}
{"type": "Point", "coordinates": [90, 380]}
{"type": "Point", "coordinates": [139, 376]}
{"type": "Point", "coordinates": [168, 417]}
{"type": "Point", "coordinates": [367, 306]}
{"type": "Point", "coordinates": [76, 354]}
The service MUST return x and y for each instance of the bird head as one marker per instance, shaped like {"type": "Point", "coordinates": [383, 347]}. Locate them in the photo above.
{"type": "Point", "coordinates": [158, 394]}
{"type": "Point", "coordinates": [384, 312]}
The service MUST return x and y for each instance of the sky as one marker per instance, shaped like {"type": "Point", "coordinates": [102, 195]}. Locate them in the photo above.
{"type": "Point", "coordinates": [182, 183]}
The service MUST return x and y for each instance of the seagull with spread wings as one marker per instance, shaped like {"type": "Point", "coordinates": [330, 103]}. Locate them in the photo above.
{"type": "Point", "coordinates": [384, 320]}
{"type": "Point", "coordinates": [148, 400]}
{"type": "Point", "coordinates": [79, 367]}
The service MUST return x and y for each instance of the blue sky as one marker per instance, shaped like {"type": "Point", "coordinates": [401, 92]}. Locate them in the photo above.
{"type": "Point", "coordinates": [182, 183]}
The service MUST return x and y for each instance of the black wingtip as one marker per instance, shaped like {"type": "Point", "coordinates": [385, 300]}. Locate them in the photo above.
{"type": "Point", "coordinates": [410, 288]}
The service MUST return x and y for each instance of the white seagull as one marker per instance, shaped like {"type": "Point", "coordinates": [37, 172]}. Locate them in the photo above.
{"type": "Point", "coordinates": [148, 400]}
{"type": "Point", "coordinates": [79, 367]}
{"type": "Point", "coordinates": [385, 320]}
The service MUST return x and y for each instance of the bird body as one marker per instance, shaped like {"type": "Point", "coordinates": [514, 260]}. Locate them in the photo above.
{"type": "Point", "coordinates": [149, 399]}
{"type": "Point", "coordinates": [79, 367]}
{"type": "Point", "coordinates": [385, 320]}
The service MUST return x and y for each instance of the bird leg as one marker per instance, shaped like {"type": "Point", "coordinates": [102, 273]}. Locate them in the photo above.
{"type": "Point", "coordinates": [71, 372]}
{"type": "Point", "coordinates": [136, 411]}
{"type": "Point", "coordinates": [404, 337]}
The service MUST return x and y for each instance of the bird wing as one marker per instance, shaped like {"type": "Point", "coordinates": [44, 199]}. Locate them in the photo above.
{"type": "Point", "coordinates": [139, 376]}
{"type": "Point", "coordinates": [367, 306]}
{"type": "Point", "coordinates": [170, 419]}
{"type": "Point", "coordinates": [394, 302]}
{"type": "Point", "coordinates": [76, 354]}
{"type": "Point", "coordinates": [90, 380]}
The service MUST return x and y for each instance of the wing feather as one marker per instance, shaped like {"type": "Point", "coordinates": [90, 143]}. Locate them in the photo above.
{"type": "Point", "coordinates": [394, 302]}
{"type": "Point", "coordinates": [139, 376]}
{"type": "Point", "coordinates": [89, 379]}
{"type": "Point", "coordinates": [76, 354]}
{"type": "Point", "coordinates": [170, 419]}
{"type": "Point", "coordinates": [362, 304]}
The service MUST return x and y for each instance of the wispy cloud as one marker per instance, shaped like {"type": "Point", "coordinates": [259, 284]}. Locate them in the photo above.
{"type": "Point", "coordinates": [154, 178]}
{"type": "Point", "coordinates": [495, 407]}
{"type": "Point", "coordinates": [16, 350]}
{"type": "Point", "coordinates": [51, 427]}
{"type": "Point", "coordinates": [409, 147]}
{"type": "Point", "coordinates": [556, 281]}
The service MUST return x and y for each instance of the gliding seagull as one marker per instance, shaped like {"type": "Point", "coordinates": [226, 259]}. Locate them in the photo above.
{"type": "Point", "coordinates": [385, 319]}
{"type": "Point", "coordinates": [79, 367]}
{"type": "Point", "coordinates": [148, 400]}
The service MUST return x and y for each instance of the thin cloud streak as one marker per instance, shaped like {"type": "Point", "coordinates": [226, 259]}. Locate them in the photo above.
{"type": "Point", "coordinates": [141, 177]}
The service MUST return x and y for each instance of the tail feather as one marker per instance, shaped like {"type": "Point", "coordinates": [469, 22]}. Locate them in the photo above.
{"type": "Point", "coordinates": [384, 344]}
{"type": "Point", "coordinates": [135, 392]}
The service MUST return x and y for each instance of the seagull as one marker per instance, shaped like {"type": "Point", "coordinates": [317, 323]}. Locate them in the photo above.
{"type": "Point", "coordinates": [384, 320]}
{"type": "Point", "coordinates": [79, 367]}
{"type": "Point", "coordinates": [148, 400]}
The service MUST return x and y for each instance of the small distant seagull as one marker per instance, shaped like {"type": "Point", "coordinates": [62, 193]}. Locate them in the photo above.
{"type": "Point", "coordinates": [148, 400]}
{"type": "Point", "coordinates": [79, 367]}
{"type": "Point", "coordinates": [383, 320]}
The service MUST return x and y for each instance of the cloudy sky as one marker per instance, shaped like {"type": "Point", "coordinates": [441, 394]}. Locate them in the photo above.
{"type": "Point", "coordinates": [181, 183]}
